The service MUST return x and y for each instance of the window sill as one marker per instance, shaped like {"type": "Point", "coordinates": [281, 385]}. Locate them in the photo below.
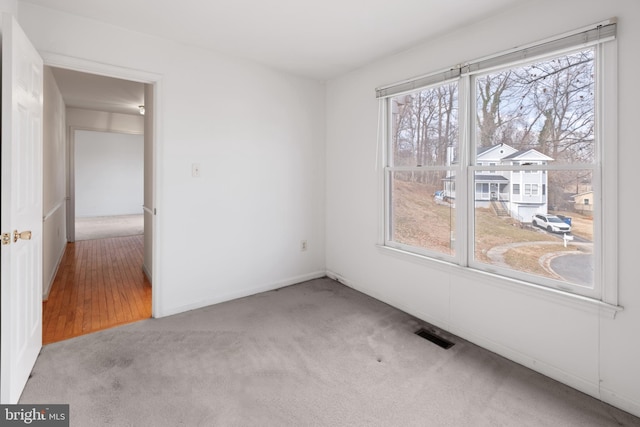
{"type": "Point", "coordinates": [512, 285]}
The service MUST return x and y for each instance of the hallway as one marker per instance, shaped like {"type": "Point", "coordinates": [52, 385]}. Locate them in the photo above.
{"type": "Point", "coordinates": [99, 284]}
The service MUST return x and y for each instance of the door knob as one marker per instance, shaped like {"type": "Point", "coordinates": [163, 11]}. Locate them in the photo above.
{"type": "Point", "coordinates": [24, 235]}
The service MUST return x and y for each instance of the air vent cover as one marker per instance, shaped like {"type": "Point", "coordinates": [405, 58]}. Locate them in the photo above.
{"type": "Point", "coordinates": [430, 336]}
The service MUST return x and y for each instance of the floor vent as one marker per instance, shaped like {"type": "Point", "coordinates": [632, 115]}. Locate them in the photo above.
{"type": "Point", "coordinates": [430, 336]}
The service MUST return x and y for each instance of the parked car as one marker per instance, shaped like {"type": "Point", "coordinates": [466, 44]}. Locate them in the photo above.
{"type": "Point", "coordinates": [551, 223]}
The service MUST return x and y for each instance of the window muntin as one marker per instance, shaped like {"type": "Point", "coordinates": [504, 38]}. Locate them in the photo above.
{"type": "Point", "coordinates": [555, 139]}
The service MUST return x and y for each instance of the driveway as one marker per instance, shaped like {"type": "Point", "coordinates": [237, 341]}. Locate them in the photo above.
{"type": "Point", "coordinates": [574, 268]}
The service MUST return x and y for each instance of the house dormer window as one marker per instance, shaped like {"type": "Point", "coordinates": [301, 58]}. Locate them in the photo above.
{"type": "Point", "coordinates": [534, 123]}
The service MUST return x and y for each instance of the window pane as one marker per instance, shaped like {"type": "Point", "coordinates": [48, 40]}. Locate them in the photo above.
{"type": "Point", "coordinates": [526, 233]}
{"type": "Point", "coordinates": [527, 176]}
{"type": "Point", "coordinates": [538, 113]}
{"type": "Point", "coordinates": [422, 210]}
{"type": "Point", "coordinates": [425, 127]}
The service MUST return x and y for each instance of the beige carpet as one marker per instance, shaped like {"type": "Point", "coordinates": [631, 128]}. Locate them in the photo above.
{"type": "Point", "coordinates": [104, 227]}
{"type": "Point", "coordinates": [313, 354]}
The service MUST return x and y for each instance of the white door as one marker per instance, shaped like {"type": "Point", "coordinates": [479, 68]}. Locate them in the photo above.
{"type": "Point", "coordinates": [21, 211]}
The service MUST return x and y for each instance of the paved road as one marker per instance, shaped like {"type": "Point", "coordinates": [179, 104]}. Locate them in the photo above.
{"type": "Point", "coordinates": [570, 266]}
{"type": "Point", "coordinates": [574, 268]}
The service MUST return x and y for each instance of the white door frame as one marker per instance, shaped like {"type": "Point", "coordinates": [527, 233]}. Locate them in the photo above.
{"type": "Point", "coordinates": [91, 67]}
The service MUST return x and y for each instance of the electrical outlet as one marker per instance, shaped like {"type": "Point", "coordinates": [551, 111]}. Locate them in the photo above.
{"type": "Point", "coordinates": [303, 245]}
{"type": "Point", "coordinates": [195, 170]}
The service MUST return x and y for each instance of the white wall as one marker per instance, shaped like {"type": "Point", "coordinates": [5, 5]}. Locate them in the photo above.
{"type": "Point", "coordinates": [108, 173]}
{"type": "Point", "coordinates": [99, 121]}
{"type": "Point", "coordinates": [54, 175]}
{"type": "Point", "coordinates": [258, 135]}
{"type": "Point", "coordinates": [570, 342]}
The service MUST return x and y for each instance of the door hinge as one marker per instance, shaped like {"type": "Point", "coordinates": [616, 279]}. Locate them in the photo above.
{"type": "Point", "coordinates": [6, 238]}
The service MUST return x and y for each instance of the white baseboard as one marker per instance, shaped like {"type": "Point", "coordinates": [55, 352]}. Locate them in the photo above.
{"type": "Point", "coordinates": [573, 381]}
{"type": "Point", "coordinates": [52, 278]}
{"type": "Point", "coordinates": [621, 402]}
{"type": "Point", "coordinates": [240, 294]}
{"type": "Point", "coordinates": [147, 273]}
{"type": "Point", "coordinates": [421, 315]}
{"type": "Point", "coordinates": [545, 369]}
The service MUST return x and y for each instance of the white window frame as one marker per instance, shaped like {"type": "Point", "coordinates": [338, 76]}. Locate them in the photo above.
{"type": "Point", "coordinates": [605, 291]}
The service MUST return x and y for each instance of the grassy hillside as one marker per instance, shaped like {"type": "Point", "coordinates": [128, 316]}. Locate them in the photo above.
{"type": "Point", "coordinates": [423, 222]}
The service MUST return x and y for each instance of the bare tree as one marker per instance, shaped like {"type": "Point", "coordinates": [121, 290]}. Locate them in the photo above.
{"type": "Point", "coordinates": [563, 92]}
{"type": "Point", "coordinates": [424, 126]}
{"type": "Point", "coordinates": [490, 90]}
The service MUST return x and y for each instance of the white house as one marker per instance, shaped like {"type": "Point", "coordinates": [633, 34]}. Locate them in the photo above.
{"type": "Point", "coordinates": [520, 193]}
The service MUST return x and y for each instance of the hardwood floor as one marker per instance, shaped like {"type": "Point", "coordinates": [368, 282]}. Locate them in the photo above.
{"type": "Point", "coordinates": [99, 284]}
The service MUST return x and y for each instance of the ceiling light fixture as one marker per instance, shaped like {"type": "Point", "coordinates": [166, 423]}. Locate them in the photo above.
{"type": "Point", "coordinates": [141, 109]}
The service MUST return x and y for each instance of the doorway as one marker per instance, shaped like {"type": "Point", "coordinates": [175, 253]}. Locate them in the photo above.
{"type": "Point", "coordinates": [108, 280]}
{"type": "Point", "coordinates": [109, 184]}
